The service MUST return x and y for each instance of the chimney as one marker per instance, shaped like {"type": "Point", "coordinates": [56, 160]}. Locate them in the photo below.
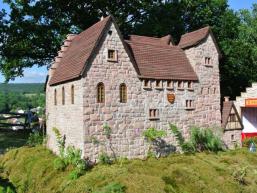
{"type": "Point", "coordinates": [226, 98]}
{"type": "Point", "coordinates": [102, 18]}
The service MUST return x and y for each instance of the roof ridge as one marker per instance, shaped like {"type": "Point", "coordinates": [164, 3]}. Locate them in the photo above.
{"type": "Point", "coordinates": [155, 45]}
{"type": "Point", "coordinates": [146, 36]}
{"type": "Point", "coordinates": [203, 28]}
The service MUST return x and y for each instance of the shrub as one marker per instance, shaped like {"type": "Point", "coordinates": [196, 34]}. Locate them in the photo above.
{"type": "Point", "coordinates": [152, 134]}
{"type": "Point", "coordinates": [200, 140]}
{"type": "Point", "coordinates": [59, 164]}
{"type": "Point", "coordinates": [104, 158]}
{"type": "Point", "coordinates": [35, 139]}
{"type": "Point", "coordinates": [60, 141]}
{"type": "Point", "coordinates": [205, 140]}
{"type": "Point", "coordinates": [187, 147]}
{"type": "Point", "coordinates": [69, 156]}
{"type": "Point", "coordinates": [248, 141]}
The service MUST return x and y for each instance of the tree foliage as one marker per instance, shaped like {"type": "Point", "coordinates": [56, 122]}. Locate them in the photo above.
{"type": "Point", "coordinates": [33, 31]}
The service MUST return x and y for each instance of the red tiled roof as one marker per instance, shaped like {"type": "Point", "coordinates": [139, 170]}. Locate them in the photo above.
{"type": "Point", "coordinates": [193, 38]}
{"type": "Point", "coordinates": [161, 61]}
{"type": "Point", "coordinates": [227, 107]}
{"type": "Point", "coordinates": [78, 53]}
{"type": "Point", "coordinates": [151, 40]}
{"type": "Point", "coordinates": [226, 110]}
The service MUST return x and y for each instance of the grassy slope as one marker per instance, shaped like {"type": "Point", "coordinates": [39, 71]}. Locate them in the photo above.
{"type": "Point", "coordinates": [31, 170]}
{"type": "Point", "coordinates": [9, 138]}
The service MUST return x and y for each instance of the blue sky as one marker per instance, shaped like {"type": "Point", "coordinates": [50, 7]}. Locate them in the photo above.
{"type": "Point", "coordinates": [35, 74]}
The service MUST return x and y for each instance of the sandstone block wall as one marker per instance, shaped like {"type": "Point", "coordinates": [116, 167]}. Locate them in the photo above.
{"type": "Point", "coordinates": [208, 106]}
{"type": "Point", "coordinates": [129, 120]}
{"type": "Point", "coordinates": [82, 123]}
{"type": "Point", "coordinates": [67, 118]}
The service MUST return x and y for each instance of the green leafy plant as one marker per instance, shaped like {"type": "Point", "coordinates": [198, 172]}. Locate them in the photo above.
{"type": "Point", "coordinates": [69, 156]}
{"type": "Point", "coordinates": [104, 158]}
{"type": "Point", "coordinates": [152, 134]}
{"type": "Point", "coordinates": [201, 139]}
{"type": "Point", "coordinates": [60, 141]}
{"type": "Point", "coordinates": [35, 138]}
{"type": "Point", "coordinates": [205, 140]}
{"type": "Point", "coordinates": [248, 141]}
{"type": "Point", "coordinates": [59, 164]}
{"type": "Point", "coordinates": [107, 131]}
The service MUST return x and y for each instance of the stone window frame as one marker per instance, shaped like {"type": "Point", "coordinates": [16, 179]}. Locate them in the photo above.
{"type": "Point", "coordinates": [63, 95]}
{"type": "Point", "coordinates": [208, 61]}
{"type": "Point", "coordinates": [214, 90]}
{"type": "Point", "coordinates": [158, 84]}
{"type": "Point", "coordinates": [154, 114]}
{"type": "Point", "coordinates": [180, 85]}
{"type": "Point", "coordinates": [100, 92]}
{"type": "Point", "coordinates": [147, 84]}
{"type": "Point", "coordinates": [190, 104]}
{"type": "Point", "coordinates": [113, 52]}
{"type": "Point", "coordinates": [190, 85]}
{"type": "Point", "coordinates": [123, 93]}
{"type": "Point", "coordinates": [72, 94]}
{"type": "Point", "coordinates": [170, 84]}
{"type": "Point", "coordinates": [55, 97]}
{"type": "Point", "coordinates": [232, 137]}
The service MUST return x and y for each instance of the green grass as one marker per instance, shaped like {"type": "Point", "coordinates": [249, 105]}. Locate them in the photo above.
{"type": "Point", "coordinates": [31, 170]}
{"type": "Point", "coordinates": [10, 139]}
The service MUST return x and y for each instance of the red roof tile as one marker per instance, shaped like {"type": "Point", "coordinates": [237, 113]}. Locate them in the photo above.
{"type": "Point", "coordinates": [78, 53]}
{"type": "Point", "coordinates": [193, 38]}
{"type": "Point", "coordinates": [226, 110]}
{"type": "Point", "coordinates": [162, 61]}
{"type": "Point", "coordinates": [151, 40]}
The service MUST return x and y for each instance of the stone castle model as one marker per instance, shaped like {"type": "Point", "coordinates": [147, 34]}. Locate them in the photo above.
{"type": "Point", "coordinates": [99, 78]}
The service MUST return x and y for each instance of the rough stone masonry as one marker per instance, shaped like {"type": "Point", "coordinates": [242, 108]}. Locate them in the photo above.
{"type": "Point", "coordinates": [151, 69]}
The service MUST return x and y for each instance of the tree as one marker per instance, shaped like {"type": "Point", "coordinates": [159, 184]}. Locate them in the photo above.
{"type": "Point", "coordinates": [34, 31]}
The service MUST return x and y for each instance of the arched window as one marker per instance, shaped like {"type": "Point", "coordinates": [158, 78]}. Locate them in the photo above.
{"type": "Point", "coordinates": [123, 93]}
{"type": "Point", "coordinates": [55, 97]}
{"type": "Point", "coordinates": [100, 92]}
{"type": "Point", "coordinates": [63, 96]}
{"type": "Point", "coordinates": [72, 94]}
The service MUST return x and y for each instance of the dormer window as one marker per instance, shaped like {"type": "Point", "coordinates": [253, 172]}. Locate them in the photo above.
{"type": "Point", "coordinates": [180, 85]}
{"type": "Point", "coordinates": [169, 84]}
{"type": "Point", "coordinates": [207, 61]}
{"type": "Point", "coordinates": [112, 55]}
{"type": "Point", "coordinates": [147, 84]}
{"type": "Point", "coordinates": [158, 84]}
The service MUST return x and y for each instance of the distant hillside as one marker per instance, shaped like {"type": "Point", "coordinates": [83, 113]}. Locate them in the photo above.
{"type": "Point", "coordinates": [22, 87]}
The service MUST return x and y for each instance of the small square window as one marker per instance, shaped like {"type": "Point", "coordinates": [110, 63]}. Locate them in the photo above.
{"type": "Point", "coordinates": [190, 85]}
{"type": "Point", "coordinates": [208, 61]}
{"type": "Point", "coordinates": [147, 83]}
{"type": "Point", "coordinates": [153, 114]}
{"type": "Point", "coordinates": [170, 84]}
{"type": "Point", "coordinates": [180, 85]}
{"type": "Point", "coordinates": [189, 104]}
{"type": "Point", "coordinates": [232, 137]}
{"type": "Point", "coordinates": [158, 84]}
{"type": "Point", "coordinates": [112, 55]}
